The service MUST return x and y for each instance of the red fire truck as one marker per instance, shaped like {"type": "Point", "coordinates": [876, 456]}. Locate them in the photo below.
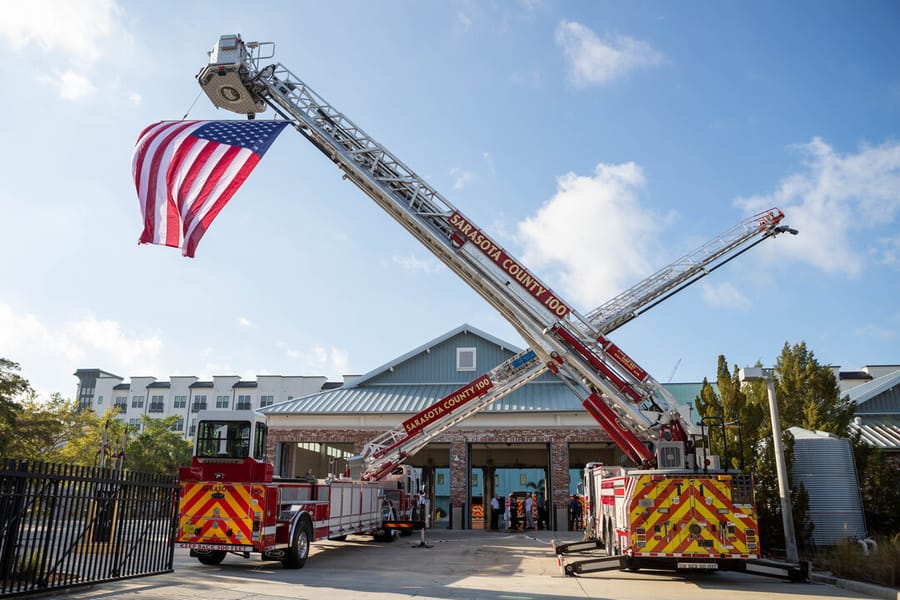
{"type": "Point", "coordinates": [230, 501]}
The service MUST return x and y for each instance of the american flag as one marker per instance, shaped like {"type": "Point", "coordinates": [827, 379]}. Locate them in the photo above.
{"type": "Point", "coordinates": [186, 171]}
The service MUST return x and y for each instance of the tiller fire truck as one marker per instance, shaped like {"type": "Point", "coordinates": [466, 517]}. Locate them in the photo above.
{"type": "Point", "coordinates": [230, 501]}
{"type": "Point", "coordinates": [676, 504]}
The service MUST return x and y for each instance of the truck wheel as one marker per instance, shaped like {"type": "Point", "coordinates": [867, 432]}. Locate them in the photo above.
{"type": "Point", "coordinates": [610, 540]}
{"type": "Point", "coordinates": [213, 557]}
{"type": "Point", "coordinates": [295, 556]}
{"type": "Point", "coordinates": [386, 535]}
{"type": "Point", "coordinates": [590, 531]}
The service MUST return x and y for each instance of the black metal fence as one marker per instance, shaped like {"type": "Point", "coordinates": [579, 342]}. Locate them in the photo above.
{"type": "Point", "coordinates": [64, 525]}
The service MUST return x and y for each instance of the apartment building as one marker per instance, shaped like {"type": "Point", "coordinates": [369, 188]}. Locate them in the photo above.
{"type": "Point", "coordinates": [185, 395]}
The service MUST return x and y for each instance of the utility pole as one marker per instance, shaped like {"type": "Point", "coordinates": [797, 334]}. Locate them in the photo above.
{"type": "Point", "coordinates": [787, 515]}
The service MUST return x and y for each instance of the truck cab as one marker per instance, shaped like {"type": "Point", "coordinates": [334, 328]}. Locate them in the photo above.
{"type": "Point", "coordinates": [229, 445]}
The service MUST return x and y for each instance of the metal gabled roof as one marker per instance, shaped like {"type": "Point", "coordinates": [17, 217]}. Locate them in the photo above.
{"type": "Point", "coordinates": [537, 396]}
{"type": "Point", "coordinates": [875, 388]}
{"type": "Point", "coordinates": [411, 398]}
{"type": "Point", "coordinates": [397, 387]}
{"type": "Point", "coordinates": [881, 431]}
{"type": "Point", "coordinates": [464, 328]}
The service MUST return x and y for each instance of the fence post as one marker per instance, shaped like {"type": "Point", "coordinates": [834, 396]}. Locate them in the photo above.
{"type": "Point", "coordinates": [14, 502]}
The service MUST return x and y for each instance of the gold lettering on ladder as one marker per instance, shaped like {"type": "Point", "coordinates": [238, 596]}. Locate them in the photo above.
{"type": "Point", "coordinates": [520, 274]}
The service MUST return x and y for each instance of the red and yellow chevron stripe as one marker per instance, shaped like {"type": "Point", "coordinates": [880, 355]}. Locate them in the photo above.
{"type": "Point", "coordinates": [220, 513]}
{"type": "Point", "coordinates": [689, 516]}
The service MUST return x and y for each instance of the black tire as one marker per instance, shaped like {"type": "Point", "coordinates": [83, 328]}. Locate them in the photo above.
{"type": "Point", "coordinates": [385, 536]}
{"type": "Point", "coordinates": [213, 557]}
{"type": "Point", "coordinates": [295, 556]}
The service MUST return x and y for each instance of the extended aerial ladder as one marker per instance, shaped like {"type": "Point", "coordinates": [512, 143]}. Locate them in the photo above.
{"type": "Point", "coordinates": [391, 447]}
{"type": "Point", "coordinates": [625, 400]}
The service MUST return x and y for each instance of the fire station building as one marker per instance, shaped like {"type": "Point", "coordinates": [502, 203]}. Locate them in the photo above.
{"type": "Point", "coordinates": [535, 440]}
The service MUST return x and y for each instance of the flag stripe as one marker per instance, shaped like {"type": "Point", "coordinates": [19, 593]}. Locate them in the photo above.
{"type": "Point", "coordinates": [199, 227]}
{"type": "Point", "coordinates": [151, 190]}
{"type": "Point", "coordinates": [217, 169]}
{"type": "Point", "coordinates": [186, 171]}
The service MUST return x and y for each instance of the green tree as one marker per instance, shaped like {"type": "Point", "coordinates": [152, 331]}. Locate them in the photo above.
{"type": "Point", "coordinates": [59, 431]}
{"type": "Point", "coordinates": [768, 496]}
{"type": "Point", "coordinates": [808, 393]}
{"type": "Point", "coordinates": [808, 396]}
{"type": "Point", "coordinates": [157, 448]}
{"type": "Point", "coordinates": [86, 445]}
{"type": "Point", "coordinates": [44, 428]}
{"type": "Point", "coordinates": [743, 419]}
{"type": "Point", "coordinates": [12, 387]}
{"type": "Point", "coordinates": [879, 488]}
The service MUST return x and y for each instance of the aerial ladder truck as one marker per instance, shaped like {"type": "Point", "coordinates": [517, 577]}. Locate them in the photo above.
{"type": "Point", "coordinates": [638, 414]}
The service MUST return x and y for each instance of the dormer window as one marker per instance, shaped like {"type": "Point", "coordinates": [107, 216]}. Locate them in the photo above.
{"type": "Point", "coordinates": [465, 359]}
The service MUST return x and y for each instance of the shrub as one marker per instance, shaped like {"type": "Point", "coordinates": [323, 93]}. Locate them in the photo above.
{"type": "Point", "coordinates": [881, 565]}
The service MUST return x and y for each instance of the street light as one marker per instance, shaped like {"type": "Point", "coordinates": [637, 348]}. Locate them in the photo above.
{"type": "Point", "coordinates": [787, 516]}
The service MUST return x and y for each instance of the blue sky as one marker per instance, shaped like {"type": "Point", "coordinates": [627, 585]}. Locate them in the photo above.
{"type": "Point", "coordinates": [597, 141]}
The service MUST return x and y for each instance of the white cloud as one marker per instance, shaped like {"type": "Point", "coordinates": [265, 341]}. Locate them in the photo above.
{"type": "Point", "coordinates": [834, 197]}
{"type": "Point", "coordinates": [213, 363]}
{"type": "Point", "coordinates": [328, 360]}
{"type": "Point", "coordinates": [724, 294]}
{"type": "Point", "coordinates": [69, 84]}
{"type": "Point", "coordinates": [463, 21]}
{"type": "Point", "coordinates": [74, 29]}
{"type": "Point", "coordinates": [245, 322]}
{"type": "Point", "coordinates": [595, 61]}
{"type": "Point", "coordinates": [413, 263]}
{"type": "Point", "coordinates": [67, 39]}
{"type": "Point", "coordinates": [595, 231]}
{"type": "Point", "coordinates": [461, 178]}
{"type": "Point", "coordinates": [49, 355]}
{"type": "Point", "coordinates": [106, 338]}
{"type": "Point", "coordinates": [887, 251]}
{"type": "Point", "coordinates": [135, 98]}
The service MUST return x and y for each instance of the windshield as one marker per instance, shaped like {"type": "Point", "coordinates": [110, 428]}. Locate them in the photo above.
{"type": "Point", "coordinates": [223, 439]}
